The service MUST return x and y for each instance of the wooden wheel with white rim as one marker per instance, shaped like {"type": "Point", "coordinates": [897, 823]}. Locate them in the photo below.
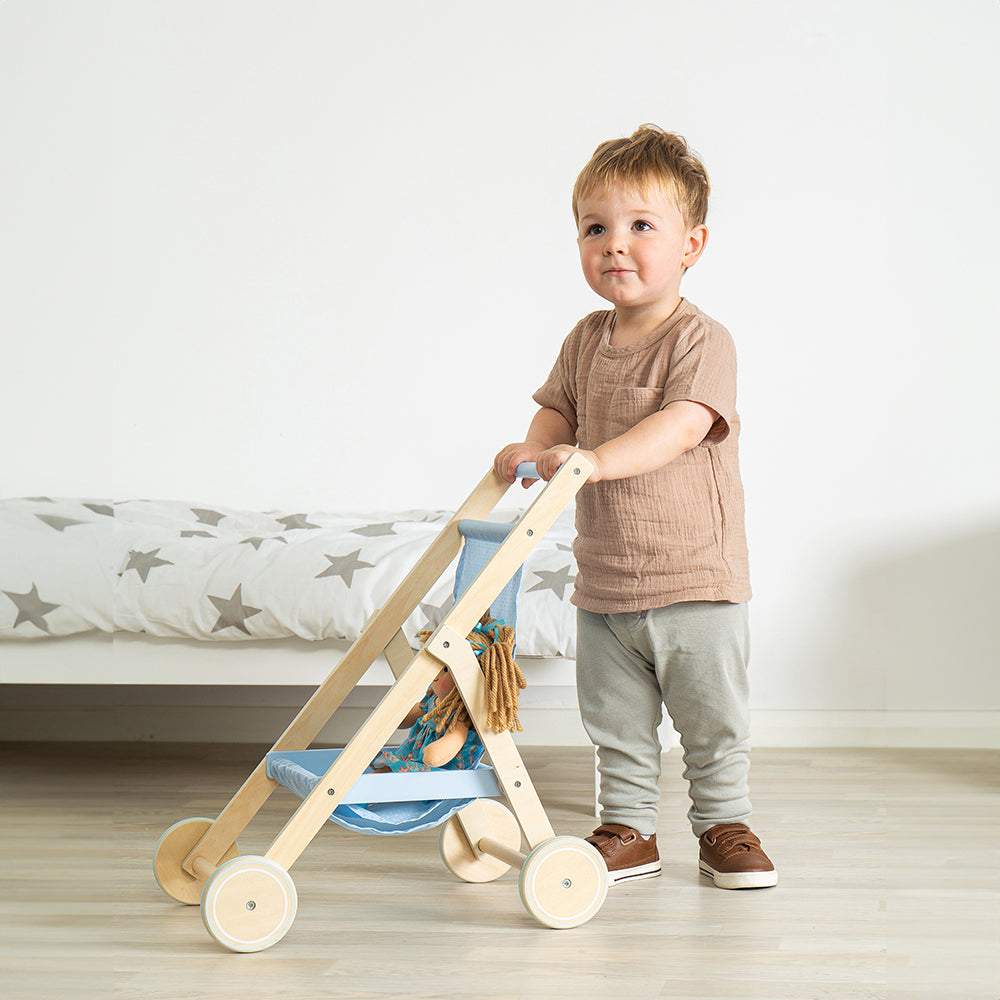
{"type": "Point", "coordinates": [171, 850]}
{"type": "Point", "coordinates": [457, 853]}
{"type": "Point", "coordinates": [249, 903]}
{"type": "Point", "coordinates": [564, 882]}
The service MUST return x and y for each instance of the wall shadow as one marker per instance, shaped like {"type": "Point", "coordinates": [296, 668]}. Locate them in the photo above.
{"type": "Point", "coordinates": [924, 623]}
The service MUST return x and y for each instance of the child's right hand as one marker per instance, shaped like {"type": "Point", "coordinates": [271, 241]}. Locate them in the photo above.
{"type": "Point", "coordinates": [551, 460]}
{"type": "Point", "coordinates": [508, 459]}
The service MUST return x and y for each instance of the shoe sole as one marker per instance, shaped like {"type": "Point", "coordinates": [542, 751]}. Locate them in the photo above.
{"type": "Point", "coordinates": [650, 870]}
{"type": "Point", "coordinates": [739, 880]}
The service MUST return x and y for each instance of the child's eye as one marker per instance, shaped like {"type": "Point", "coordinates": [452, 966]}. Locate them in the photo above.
{"type": "Point", "coordinates": [641, 226]}
{"type": "Point", "coordinates": [595, 230]}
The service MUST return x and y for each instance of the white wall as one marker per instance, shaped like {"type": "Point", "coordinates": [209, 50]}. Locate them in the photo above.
{"type": "Point", "coordinates": [316, 254]}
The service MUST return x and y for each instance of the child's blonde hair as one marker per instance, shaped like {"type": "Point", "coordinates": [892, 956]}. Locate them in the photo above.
{"type": "Point", "coordinates": [648, 156]}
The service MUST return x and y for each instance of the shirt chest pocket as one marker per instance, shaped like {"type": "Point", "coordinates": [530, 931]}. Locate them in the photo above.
{"type": "Point", "coordinates": [629, 406]}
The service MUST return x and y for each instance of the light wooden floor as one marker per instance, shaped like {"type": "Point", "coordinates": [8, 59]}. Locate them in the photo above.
{"type": "Point", "coordinates": [890, 888]}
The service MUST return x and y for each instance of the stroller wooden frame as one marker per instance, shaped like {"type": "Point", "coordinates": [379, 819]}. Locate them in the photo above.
{"type": "Point", "coordinates": [248, 902]}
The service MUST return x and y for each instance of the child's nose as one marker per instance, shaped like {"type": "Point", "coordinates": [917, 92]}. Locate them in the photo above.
{"type": "Point", "coordinates": [615, 243]}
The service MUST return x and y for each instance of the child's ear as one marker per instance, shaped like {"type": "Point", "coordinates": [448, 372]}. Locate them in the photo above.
{"type": "Point", "coordinates": [697, 237]}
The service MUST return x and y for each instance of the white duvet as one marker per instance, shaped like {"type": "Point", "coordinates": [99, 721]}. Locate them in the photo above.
{"type": "Point", "coordinates": [174, 569]}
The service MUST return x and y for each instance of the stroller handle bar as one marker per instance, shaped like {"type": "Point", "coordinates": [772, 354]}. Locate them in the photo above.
{"type": "Point", "coordinates": [526, 470]}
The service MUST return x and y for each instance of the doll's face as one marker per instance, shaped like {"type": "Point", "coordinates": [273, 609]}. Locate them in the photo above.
{"type": "Point", "coordinates": [443, 683]}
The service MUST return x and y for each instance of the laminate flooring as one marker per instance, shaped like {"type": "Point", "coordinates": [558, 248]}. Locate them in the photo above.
{"type": "Point", "coordinates": [889, 863]}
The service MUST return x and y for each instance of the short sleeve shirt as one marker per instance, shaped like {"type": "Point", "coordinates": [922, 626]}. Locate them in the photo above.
{"type": "Point", "coordinates": [677, 533]}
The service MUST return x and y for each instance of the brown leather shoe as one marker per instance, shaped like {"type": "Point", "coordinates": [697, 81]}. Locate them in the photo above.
{"type": "Point", "coordinates": [628, 855]}
{"type": "Point", "coordinates": [732, 857]}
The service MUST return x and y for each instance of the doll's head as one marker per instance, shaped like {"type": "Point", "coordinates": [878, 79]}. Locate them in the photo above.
{"type": "Point", "coordinates": [493, 643]}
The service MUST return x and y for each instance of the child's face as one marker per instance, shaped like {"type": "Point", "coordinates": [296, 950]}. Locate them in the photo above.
{"type": "Point", "coordinates": [635, 246]}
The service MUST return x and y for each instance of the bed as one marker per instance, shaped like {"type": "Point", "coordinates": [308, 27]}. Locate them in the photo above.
{"type": "Point", "coordinates": [144, 595]}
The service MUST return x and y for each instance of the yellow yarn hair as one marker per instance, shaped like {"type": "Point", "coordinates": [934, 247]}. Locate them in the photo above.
{"type": "Point", "coordinates": [494, 647]}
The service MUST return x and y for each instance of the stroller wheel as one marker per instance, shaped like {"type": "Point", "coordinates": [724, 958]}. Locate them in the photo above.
{"type": "Point", "coordinates": [249, 903]}
{"type": "Point", "coordinates": [457, 853]}
{"type": "Point", "coordinates": [564, 882]}
{"type": "Point", "coordinates": [171, 850]}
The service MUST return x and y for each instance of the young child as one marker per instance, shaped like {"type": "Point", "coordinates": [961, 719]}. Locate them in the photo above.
{"type": "Point", "coordinates": [647, 391]}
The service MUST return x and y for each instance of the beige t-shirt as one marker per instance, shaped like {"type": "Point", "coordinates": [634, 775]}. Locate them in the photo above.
{"type": "Point", "coordinates": [672, 535]}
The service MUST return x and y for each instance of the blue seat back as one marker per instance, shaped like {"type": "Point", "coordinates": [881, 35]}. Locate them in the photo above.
{"type": "Point", "coordinates": [482, 538]}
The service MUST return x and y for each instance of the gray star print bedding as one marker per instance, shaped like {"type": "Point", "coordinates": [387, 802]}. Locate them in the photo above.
{"type": "Point", "coordinates": [174, 569]}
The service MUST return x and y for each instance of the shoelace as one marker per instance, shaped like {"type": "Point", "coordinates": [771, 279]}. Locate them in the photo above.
{"type": "Point", "coordinates": [735, 840]}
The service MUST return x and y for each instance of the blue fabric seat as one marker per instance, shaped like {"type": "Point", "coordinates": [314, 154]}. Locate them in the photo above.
{"type": "Point", "coordinates": [386, 803]}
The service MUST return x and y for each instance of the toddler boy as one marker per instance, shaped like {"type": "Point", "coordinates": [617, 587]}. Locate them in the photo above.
{"type": "Point", "coordinates": [647, 391]}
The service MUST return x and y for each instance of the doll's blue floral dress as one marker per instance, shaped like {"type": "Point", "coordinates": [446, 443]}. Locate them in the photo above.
{"type": "Point", "coordinates": [409, 755]}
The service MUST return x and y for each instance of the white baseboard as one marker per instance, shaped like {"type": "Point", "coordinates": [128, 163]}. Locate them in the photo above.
{"type": "Point", "coordinates": [228, 714]}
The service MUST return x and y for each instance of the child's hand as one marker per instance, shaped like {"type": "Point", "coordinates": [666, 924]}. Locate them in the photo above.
{"type": "Point", "coordinates": [548, 462]}
{"type": "Point", "coordinates": [506, 463]}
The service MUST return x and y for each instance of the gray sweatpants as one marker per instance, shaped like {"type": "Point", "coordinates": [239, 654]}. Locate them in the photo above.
{"type": "Point", "coordinates": [691, 657]}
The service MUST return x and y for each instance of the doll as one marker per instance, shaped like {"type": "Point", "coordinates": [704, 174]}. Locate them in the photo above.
{"type": "Point", "coordinates": [442, 735]}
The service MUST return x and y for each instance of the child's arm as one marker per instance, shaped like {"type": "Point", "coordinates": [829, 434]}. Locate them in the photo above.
{"type": "Point", "coordinates": [548, 428]}
{"type": "Point", "coordinates": [443, 749]}
{"type": "Point", "coordinates": [653, 443]}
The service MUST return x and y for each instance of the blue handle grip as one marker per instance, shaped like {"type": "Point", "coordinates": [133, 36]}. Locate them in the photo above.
{"type": "Point", "coordinates": [526, 470]}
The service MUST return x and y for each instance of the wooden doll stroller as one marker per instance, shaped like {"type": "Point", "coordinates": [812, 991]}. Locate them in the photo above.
{"type": "Point", "coordinates": [248, 902]}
